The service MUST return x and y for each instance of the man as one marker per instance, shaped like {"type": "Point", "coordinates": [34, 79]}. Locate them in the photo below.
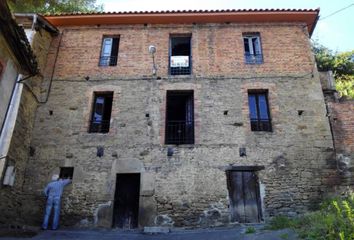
{"type": "Point", "coordinates": [53, 192]}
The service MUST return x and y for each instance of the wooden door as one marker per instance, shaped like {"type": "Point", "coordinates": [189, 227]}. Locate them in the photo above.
{"type": "Point", "coordinates": [244, 195]}
{"type": "Point", "coordinates": [126, 201]}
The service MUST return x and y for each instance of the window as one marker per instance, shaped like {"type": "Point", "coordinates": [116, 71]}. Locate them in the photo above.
{"type": "Point", "coordinates": [1, 69]}
{"type": "Point", "coordinates": [109, 51]}
{"type": "Point", "coordinates": [259, 111]}
{"type": "Point", "coordinates": [180, 55]}
{"type": "Point", "coordinates": [252, 45]}
{"type": "Point", "coordinates": [101, 112]}
{"type": "Point", "coordinates": [179, 117]}
{"type": "Point", "coordinates": [66, 172]}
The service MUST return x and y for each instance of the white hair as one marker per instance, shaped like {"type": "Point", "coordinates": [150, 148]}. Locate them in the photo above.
{"type": "Point", "coordinates": [55, 177]}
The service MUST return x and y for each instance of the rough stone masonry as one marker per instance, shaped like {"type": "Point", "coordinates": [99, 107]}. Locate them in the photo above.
{"type": "Point", "coordinates": [189, 187]}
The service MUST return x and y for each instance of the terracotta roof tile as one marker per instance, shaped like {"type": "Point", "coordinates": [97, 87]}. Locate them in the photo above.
{"type": "Point", "coordinates": [184, 11]}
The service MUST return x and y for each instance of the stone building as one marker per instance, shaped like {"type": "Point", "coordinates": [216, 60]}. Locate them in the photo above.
{"type": "Point", "coordinates": [340, 112]}
{"type": "Point", "coordinates": [16, 60]}
{"type": "Point", "coordinates": [194, 118]}
{"type": "Point", "coordinates": [23, 51]}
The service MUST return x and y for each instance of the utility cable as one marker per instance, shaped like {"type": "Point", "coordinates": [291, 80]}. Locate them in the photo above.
{"type": "Point", "coordinates": [338, 11]}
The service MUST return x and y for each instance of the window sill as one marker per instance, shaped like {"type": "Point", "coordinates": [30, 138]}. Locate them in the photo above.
{"type": "Point", "coordinates": [180, 145]}
{"type": "Point", "coordinates": [263, 132]}
{"type": "Point", "coordinates": [253, 63]}
{"type": "Point", "coordinates": [180, 76]}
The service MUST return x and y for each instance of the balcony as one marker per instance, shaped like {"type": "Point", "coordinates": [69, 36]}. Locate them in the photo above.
{"type": "Point", "coordinates": [261, 125]}
{"type": "Point", "coordinates": [253, 58]}
{"type": "Point", "coordinates": [108, 61]}
{"type": "Point", "coordinates": [180, 65]}
{"type": "Point", "coordinates": [99, 126]}
{"type": "Point", "coordinates": [179, 132]}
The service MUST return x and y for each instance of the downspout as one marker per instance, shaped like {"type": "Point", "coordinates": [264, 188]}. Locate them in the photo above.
{"type": "Point", "coordinates": [7, 109]}
{"type": "Point", "coordinates": [9, 123]}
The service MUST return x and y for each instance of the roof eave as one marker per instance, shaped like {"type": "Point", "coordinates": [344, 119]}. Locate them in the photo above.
{"type": "Point", "coordinates": [309, 17]}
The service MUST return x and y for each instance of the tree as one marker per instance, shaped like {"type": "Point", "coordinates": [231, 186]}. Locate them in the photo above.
{"type": "Point", "coordinates": [53, 6]}
{"type": "Point", "coordinates": [341, 64]}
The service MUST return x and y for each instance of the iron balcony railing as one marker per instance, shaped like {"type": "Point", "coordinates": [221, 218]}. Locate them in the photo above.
{"type": "Point", "coordinates": [108, 60]}
{"type": "Point", "coordinates": [253, 58]}
{"type": "Point", "coordinates": [180, 70]}
{"type": "Point", "coordinates": [179, 132]}
{"type": "Point", "coordinates": [99, 126]}
{"type": "Point", "coordinates": [261, 125]}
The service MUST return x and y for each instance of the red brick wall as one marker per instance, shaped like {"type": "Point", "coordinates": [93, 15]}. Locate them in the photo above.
{"type": "Point", "coordinates": [342, 118]}
{"type": "Point", "coordinates": [217, 50]}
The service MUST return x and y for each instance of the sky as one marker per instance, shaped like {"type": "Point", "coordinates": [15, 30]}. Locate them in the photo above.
{"type": "Point", "coordinates": [335, 32]}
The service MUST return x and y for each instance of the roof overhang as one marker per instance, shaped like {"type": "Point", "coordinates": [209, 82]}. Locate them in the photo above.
{"type": "Point", "coordinates": [17, 41]}
{"type": "Point", "coordinates": [307, 17]}
{"type": "Point", "coordinates": [33, 20]}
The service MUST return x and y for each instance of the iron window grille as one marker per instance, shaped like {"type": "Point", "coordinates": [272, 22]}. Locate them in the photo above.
{"type": "Point", "coordinates": [109, 51]}
{"type": "Point", "coordinates": [253, 50]}
{"type": "Point", "coordinates": [101, 113]}
{"type": "Point", "coordinates": [259, 111]}
{"type": "Point", "coordinates": [179, 118]}
{"type": "Point", "coordinates": [180, 55]}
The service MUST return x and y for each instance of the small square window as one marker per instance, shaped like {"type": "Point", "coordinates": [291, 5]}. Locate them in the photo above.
{"type": "Point", "coordinates": [253, 50]}
{"type": "Point", "coordinates": [66, 173]}
{"type": "Point", "coordinates": [101, 112]}
{"type": "Point", "coordinates": [259, 111]}
{"type": "Point", "coordinates": [109, 51]}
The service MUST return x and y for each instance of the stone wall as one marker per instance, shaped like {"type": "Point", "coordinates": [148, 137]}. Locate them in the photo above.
{"type": "Point", "coordinates": [12, 199]}
{"type": "Point", "coordinates": [188, 188]}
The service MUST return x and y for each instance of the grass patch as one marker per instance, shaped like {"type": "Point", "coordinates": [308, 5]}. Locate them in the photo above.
{"type": "Point", "coordinates": [334, 220]}
{"type": "Point", "coordinates": [250, 230]}
{"type": "Point", "coordinates": [284, 236]}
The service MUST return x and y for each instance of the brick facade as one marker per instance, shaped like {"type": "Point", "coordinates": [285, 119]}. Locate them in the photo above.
{"type": "Point", "coordinates": [342, 120]}
{"type": "Point", "coordinates": [188, 188]}
{"type": "Point", "coordinates": [180, 185]}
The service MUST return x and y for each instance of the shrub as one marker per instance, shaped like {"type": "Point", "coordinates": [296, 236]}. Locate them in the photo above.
{"type": "Point", "coordinates": [250, 230]}
{"type": "Point", "coordinates": [334, 220]}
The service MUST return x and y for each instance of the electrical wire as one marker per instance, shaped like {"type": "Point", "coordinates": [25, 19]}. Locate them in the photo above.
{"type": "Point", "coordinates": [334, 13]}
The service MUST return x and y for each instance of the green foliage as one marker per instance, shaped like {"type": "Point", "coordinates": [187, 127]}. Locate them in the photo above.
{"type": "Point", "coordinates": [335, 220]}
{"type": "Point", "coordinates": [250, 230]}
{"type": "Point", "coordinates": [284, 236]}
{"type": "Point", "coordinates": [280, 222]}
{"type": "Point", "coordinates": [345, 86]}
{"type": "Point", "coordinates": [53, 6]}
{"type": "Point", "coordinates": [341, 64]}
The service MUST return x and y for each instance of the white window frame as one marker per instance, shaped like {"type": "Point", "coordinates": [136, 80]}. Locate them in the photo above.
{"type": "Point", "coordinates": [254, 54]}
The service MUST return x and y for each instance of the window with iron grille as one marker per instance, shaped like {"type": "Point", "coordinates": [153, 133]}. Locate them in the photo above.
{"type": "Point", "coordinates": [179, 117]}
{"type": "Point", "coordinates": [109, 51]}
{"type": "Point", "coordinates": [253, 50]}
{"type": "Point", "coordinates": [180, 55]}
{"type": "Point", "coordinates": [259, 111]}
{"type": "Point", "coordinates": [101, 112]}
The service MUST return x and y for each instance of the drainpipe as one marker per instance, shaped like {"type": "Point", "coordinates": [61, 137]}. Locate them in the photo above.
{"type": "Point", "coordinates": [9, 123]}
